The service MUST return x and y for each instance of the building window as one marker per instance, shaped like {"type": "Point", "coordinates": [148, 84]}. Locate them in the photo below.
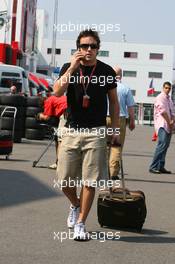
{"type": "Point", "coordinates": [103, 53]}
{"type": "Point", "coordinates": [49, 51]}
{"type": "Point", "coordinates": [132, 55]}
{"type": "Point", "coordinates": [129, 73]}
{"type": "Point", "coordinates": [73, 51]}
{"type": "Point", "coordinates": [156, 56]}
{"type": "Point", "coordinates": [57, 51]}
{"type": "Point", "coordinates": [155, 75]}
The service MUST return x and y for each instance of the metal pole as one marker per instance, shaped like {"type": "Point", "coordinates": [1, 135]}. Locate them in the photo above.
{"type": "Point", "coordinates": [54, 33]}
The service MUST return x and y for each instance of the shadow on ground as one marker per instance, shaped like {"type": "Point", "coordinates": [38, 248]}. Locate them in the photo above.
{"type": "Point", "coordinates": [18, 187]}
{"type": "Point", "coordinates": [152, 181]}
{"type": "Point", "coordinates": [146, 236]}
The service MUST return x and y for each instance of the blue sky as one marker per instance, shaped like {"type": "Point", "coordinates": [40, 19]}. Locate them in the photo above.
{"type": "Point", "coordinates": [143, 21]}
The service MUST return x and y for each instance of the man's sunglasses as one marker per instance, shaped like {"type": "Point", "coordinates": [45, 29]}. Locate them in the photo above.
{"type": "Point", "coordinates": [86, 46]}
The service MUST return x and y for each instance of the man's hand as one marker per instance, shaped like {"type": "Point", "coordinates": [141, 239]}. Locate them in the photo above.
{"type": "Point", "coordinates": [115, 140]}
{"type": "Point", "coordinates": [131, 124]}
{"type": "Point", "coordinates": [171, 124]}
{"type": "Point", "coordinates": [37, 116]}
{"type": "Point", "coordinates": [75, 60]}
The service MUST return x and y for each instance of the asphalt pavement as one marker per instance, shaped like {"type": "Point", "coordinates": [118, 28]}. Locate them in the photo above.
{"type": "Point", "coordinates": [33, 210]}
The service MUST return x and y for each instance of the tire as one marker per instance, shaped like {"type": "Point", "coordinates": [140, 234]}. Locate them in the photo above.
{"type": "Point", "coordinates": [35, 134]}
{"type": "Point", "coordinates": [1, 108]}
{"type": "Point", "coordinates": [18, 136]}
{"type": "Point", "coordinates": [13, 100]}
{"type": "Point", "coordinates": [31, 111]}
{"type": "Point", "coordinates": [31, 122]}
{"type": "Point", "coordinates": [7, 123]}
{"type": "Point", "coordinates": [34, 101]}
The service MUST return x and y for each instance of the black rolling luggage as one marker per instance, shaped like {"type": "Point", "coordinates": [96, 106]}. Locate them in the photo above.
{"type": "Point", "coordinates": [6, 143]}
{"type": "Point", "coordinates": [7, 136]}
{"type": "Point", "coordinates": [121, 208]}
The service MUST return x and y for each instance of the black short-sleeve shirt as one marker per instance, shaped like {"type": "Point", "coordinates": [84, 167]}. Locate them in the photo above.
{"type": "Point", "coordinates": [103, 79]}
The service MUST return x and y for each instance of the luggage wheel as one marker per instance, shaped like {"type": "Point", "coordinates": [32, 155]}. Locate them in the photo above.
{"type": "Point", "coordinates": [139, 229]}
{"type": "Point", "coordinates": [7, 157]}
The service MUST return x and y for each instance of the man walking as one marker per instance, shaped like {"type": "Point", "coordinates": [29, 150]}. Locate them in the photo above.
{"type": "Point", "coordinates": [82, 156]}
{"type": "Point", "coordinates": [126, 102]}
{"type": "Point", "coordinates": [164, 119]}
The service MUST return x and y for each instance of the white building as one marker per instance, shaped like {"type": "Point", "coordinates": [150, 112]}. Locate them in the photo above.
{"type": "Point", "coordinates": [140, 63]}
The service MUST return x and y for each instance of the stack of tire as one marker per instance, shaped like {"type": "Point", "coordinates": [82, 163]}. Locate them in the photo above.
{"type": "Point", "coordinates": [19, 102]}
{"type": "Point", "coordinates": [33, 129]}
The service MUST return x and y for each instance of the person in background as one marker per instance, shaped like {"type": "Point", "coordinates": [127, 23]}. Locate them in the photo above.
{"type": "Point", "coordinates": [164, 120]}
{"type": "Point", "coordinates": [13, 89]}
{"type": "Point", "coordinates": [54, 107]}
{"type": "Point", "coordinates": [126, 103]}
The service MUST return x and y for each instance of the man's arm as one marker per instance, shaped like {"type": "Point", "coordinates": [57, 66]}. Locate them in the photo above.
{"type": "Point", "coordinates": [160, 106]}
{"type": "Point", "coordinates": [114, 112]}
{"type": "Point", "coordinates": [42, 116]}
{"type": "Point", "coordinates": [131, 117]}
{"type": "Point", "coordinates": [60, 86]}
{"type": "Point", "coordinates": [169, 121]}
{"type": "Point", "coordinates": [130, 107]}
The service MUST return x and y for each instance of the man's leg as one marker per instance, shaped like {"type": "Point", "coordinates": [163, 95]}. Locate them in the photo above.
{"type": "Point", "coordinates": [71, 193]}
{"type": "Point", "coordinates": [167, 142]}
{"type": "Point", "coordinates": [69, 172]}
{"type": "Point", "coordinates": [86, 200]}
{"type": "Point", "coordinates": [116, 152]}
{"type": "Point", "coordinates": [161, 149]}
{"type": "Point", "coordinates": [94, 168]}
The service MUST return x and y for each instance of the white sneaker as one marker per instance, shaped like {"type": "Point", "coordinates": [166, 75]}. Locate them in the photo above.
{"type": "Point", "coordinates": [73, 216]}
{"type": "Point", "coordinates": [53, 166]}
{"type": "Point", "coordinates": [80, 233]}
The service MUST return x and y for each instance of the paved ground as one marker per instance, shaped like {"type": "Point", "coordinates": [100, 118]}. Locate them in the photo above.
{"type": "Point", "coordinates": [32, 210]}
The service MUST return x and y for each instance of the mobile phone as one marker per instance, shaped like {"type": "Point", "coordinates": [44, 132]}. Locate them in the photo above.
{"type": "Point", "coordinates": [84, 58]}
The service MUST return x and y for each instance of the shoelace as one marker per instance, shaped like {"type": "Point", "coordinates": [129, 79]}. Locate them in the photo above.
{"type": "Point", "coordinates": [72, 213]}
{"type": "Point", "coordinates": [85, 234]}
{"type": "Point", "coordinates": [80, 227]}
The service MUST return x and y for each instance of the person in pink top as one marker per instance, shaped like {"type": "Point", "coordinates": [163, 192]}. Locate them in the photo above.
{"type": "Point", "coordinates": [164, 121]}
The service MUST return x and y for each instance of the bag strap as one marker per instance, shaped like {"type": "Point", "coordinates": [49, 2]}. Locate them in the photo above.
{"type": "Point", "coordinates": [123, 179]}
{"type": "Point", "coordinates": [122, 176]}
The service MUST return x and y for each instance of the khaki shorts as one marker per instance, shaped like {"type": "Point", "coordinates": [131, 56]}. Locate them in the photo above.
{"type": "Point", "coordinates": [82, 158]}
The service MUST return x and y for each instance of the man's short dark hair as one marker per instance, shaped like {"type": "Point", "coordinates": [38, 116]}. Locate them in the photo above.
{"type": "Point", "coordinates": [167, 83]}
{"type": "Point", "coordinates": [88, 33]}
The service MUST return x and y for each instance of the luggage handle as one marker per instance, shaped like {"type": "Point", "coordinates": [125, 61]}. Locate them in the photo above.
{"type": "Point", "coordinates": [122, 176]}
